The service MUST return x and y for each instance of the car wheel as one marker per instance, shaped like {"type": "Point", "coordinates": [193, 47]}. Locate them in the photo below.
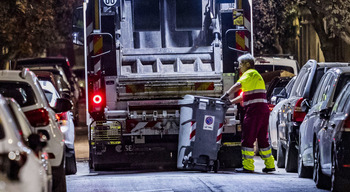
{"type": "Point", "coordinates": [321, 180]}
{"type": "Point", "coordinates": [291, 157]}
{"type": "Point", "coordinates": [303, 171]}
{"type": "Point", "coordinates": [338, 182]}
{"type": "Point", "coordinates": [71, 165]}
{"type": "Point", "coordinates": [280, 155]}
{"type": "Point", "coordinates": [59, 178]}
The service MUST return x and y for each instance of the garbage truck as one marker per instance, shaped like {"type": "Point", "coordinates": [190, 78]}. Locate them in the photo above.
{"type": "Point", "coordinates": [141, 58]}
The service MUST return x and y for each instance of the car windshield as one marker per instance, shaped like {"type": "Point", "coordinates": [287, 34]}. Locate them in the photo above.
{"type": "Point", "coordinates": [50, 92]}
{"type": "Point", "coordinates": [269, 68]}
{"type": "Point", "coordinates": [22, 92]}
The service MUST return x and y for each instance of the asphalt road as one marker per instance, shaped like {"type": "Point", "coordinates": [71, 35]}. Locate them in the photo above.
{"type": "Point", "coordinates": [178, 180]}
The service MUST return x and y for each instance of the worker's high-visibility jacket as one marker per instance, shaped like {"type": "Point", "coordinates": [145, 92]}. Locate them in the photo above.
{"type": "Point", "coordinates": [253, 87]}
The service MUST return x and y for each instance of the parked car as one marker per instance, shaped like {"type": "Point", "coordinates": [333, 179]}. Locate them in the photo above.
{"type": "Point", "coordinates": [28, 133]}
{"type": "Point", "coordinates": [66, 125]}
{"type": "Point", "coordinates": [22, 167]}
{"type": "Point", "coordinates": [291, 114]}
{"type": "Point", "coordinates": [61, 68]}
{"type": "Point", "coordinates": [25, 88]}
{"type": "Point", "coordinates": [327, 91]}
{"type": "Point", "coordinates": [332, 165]}
{"type": "Point", "coordinates": [274, 118]}
{"type": "Point", "coordinates": [270, 67]}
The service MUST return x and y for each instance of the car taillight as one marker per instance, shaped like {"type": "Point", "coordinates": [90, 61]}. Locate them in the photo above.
{"type": "Point", "coordinates": [271, 106]}
{"type": "Point", "coordinates": [62, 116]}
{"type": "Point", "coordinates": [38, 117]}
{"type": "Point", "coordinates": [298, 114]}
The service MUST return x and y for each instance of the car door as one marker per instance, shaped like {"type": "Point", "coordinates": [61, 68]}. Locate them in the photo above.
{"type": "Point", "coordinates": [306, 128]}
{"type": "Point", "coordinates": [328, 132]}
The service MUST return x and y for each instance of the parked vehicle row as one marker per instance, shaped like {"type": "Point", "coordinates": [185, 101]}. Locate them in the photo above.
{"type": "Point", "coordinates": [311, 125]}
{"type": "Point", "coordinates": [45, 126]}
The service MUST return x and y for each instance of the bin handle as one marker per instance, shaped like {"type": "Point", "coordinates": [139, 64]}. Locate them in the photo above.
{"type": "Point", "coordinates": [190, 120]}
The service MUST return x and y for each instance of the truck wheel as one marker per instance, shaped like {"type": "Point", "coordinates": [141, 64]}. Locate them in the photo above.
{"type": "Point", "coordinates": [280, 155]}
{"type": "Point", "coordinates": [291, 158]}
{"type": "Point", "coordinates": [321, 180]}
{"type": "Point", "coordinates": [71, 165]}
{"type": "Point", "coordinates": [303, 171]}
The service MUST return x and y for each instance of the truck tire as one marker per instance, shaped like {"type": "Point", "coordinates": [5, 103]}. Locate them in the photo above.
{"type": "Point", "coordinates": [71, 165]}
{"type": "Point", "coordinates": [291, 161]}
{"type": "Point", "coordinates": [280, 155]}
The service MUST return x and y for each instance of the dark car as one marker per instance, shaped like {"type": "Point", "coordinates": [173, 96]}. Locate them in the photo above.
{"type": "Point", "coordinates": [276, 86]}
{"type": "Point", "coordinates": [291, 114]}
{"type": "Point", "coordinates": [277, 101]}
{"type": "Point", "coordinates": [64, 76]}
{"type": "Point", "coordinates": [332, 166]}
{"type": "Point", "coordinates": [327, 91]}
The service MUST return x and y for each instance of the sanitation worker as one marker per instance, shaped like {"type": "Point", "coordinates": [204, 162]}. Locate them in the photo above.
{"type": "Point", "coordinates": [256, 118]}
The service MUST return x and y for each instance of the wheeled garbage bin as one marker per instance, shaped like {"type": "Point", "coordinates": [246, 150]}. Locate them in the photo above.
{"type": "Point", "coordinates": [201, 124]}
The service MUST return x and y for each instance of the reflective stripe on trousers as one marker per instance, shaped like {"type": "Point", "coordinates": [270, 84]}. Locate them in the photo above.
{"type": "Point", "coordinates": [248, 158]}
{"type": "Point", "coordinates": [266, 155]}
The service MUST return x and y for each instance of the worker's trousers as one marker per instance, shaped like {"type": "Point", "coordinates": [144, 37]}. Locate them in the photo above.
{"type": "Point", "coordinates": [255, 126]}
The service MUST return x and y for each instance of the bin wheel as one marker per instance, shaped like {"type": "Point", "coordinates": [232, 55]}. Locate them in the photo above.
{"type": "Point", "coordinates": [216, 166]}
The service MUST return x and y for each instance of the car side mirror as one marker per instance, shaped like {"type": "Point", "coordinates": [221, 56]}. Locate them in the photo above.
{"type": "Point", "coordinates": [63, 105]}
{"type": "Point", "coordinates": [324, 113]}
{"type": "Point", "coordinates": [305, 105]}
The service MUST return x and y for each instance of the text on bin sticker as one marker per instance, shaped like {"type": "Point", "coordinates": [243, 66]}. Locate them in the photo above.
{"type": "Point", "coordinates": [209, 122]}
{"type": "Point", "coordinates": [202, 106]}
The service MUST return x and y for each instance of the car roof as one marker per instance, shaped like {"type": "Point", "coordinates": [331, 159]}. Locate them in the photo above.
{"type": "Point", "coordinates": [277, 61]}
{"type": "Point", "coordinates": [44, 60]}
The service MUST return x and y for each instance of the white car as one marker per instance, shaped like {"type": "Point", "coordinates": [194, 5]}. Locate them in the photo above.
{"type": "Point", "coordinates": [27, 131]}
{"type": "Point", "coordinates": [25, 88]}
{"type": "Point", "coordinates": [66, 125]}
{"type": "Point", "coordinates": [23, 169]}
{"type": "Point", "coordinates": [270, 67]}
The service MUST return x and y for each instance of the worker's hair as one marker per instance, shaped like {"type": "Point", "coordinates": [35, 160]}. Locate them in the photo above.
{"type": "Point", "coordinates": [247, 58]}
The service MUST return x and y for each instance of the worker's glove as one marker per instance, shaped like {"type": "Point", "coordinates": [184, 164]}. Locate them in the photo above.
{"type": "Point", "coordinates": [225, 98]}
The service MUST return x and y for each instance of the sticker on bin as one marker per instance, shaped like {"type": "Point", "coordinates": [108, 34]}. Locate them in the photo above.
{"type": "Point", "coordinates": [202, 106]}
{"type": "Point", "coordinates": [209, 122]}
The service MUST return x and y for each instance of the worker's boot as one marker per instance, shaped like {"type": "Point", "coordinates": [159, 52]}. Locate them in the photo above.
{"type": "Point", "coordinates": [242, 170]}
{"type": "Point", "coordinates": [267, 170]}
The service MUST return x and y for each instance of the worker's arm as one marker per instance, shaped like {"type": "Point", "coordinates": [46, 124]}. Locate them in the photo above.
{"type": "Point", "coordinates": [237, 99]}
{"type": "Point", "coordinates": [230, 93]}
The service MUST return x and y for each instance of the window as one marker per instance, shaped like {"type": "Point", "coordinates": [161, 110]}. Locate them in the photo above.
{"type": "Point", "coordinates": [342, 99]}
{"type": "Point", "coordinates": [343, 80]}
{"type": "Point", "coordinates": [303, 73]}
{"type": "Point", "coordinates": [322, 89]}
{"type": "Point", "coordinates": [22, 92]}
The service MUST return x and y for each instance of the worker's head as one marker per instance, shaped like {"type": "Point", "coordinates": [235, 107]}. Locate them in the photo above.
{"type": "Point", "coordinates": [246, 62]}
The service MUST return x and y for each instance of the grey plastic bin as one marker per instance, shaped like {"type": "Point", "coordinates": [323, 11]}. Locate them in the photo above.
{"type": "Point", "coordinates": [201, 124]}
